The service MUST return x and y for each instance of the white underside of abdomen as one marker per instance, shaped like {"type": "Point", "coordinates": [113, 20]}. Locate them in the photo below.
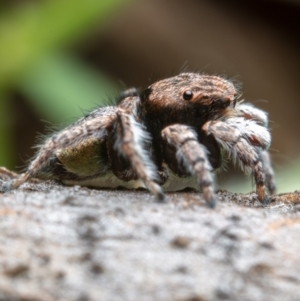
{"type": "Point", "coordinates": [173, 183]}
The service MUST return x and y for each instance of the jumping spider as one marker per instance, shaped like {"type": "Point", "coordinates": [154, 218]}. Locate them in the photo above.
{"type": "Point", "coordinates": [170, 136]}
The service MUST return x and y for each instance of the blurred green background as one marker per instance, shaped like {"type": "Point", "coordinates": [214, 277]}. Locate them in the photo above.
{"type": "Point", "coordinates": [59, 58]}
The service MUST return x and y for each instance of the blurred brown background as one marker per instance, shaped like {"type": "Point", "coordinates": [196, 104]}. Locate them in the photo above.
{"type": "Point", "coordinates": [255, 42]}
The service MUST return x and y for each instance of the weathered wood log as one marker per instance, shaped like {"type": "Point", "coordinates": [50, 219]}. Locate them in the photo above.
{"type": "Point", "coordinates": [73, 243]}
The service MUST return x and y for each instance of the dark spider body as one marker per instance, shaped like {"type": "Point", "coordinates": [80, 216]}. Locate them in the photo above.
{"type": "Point", "coordinates": [172, 136]}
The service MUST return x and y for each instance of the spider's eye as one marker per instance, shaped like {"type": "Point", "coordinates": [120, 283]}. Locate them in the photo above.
{"type": "Point", "coordinates": [187, 95]}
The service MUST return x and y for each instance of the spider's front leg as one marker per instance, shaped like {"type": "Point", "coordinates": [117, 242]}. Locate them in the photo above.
{"type": "Point", "coordinates": [260, 117]}
{"type": "Point", "coordinates": [129, 140]}
{"type": "Point", "coordinates": [244, 140]}
{"type": "Point", "coordinates": [193, 156]}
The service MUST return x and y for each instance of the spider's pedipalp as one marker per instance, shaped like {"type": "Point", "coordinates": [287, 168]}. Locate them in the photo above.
{"type": "Point", "coordinates": [130, 142]}
{"type": "Point", "coordinates": [193, 155]}
{"type": "Point", "coordinates": [244, 145]}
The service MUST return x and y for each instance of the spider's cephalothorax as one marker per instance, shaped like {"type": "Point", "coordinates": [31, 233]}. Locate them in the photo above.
{"type": "Point", "coordinates": [170, 136]}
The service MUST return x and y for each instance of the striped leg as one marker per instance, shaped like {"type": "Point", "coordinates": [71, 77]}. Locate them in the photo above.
{"type": "Point", "coordinates": [260, 117]}
{"type": "Point", "coordinates": [193, 156]}
{"type": "Point", "coordinates": [130, 140]}
{"type": "Point", "coordinates": [244, 140]}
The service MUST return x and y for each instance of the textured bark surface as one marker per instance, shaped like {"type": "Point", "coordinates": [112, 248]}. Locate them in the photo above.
{"type": "Point", "coordinates": [72, 243]}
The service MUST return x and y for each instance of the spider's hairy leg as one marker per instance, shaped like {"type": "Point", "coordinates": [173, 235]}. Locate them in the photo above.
{"type": "Point", "coordinates": [73, 154]}
{"type": "Point", "coordinates": [270, 180]}
{"type": "Point", "coordinates": [194, 157]}
{"type": "Point", "coordinates": [128, 93]}
{"type": "Point", "coordinates": [248, 111]}
{"type": "Point", "coordinates": [13, 184]}
{"type": "Point", "coordinates": [42, 159]}
{"type": "Point", "coordinates": [244, 140]}
{"type": "Point", "coordinates": [130, 142]}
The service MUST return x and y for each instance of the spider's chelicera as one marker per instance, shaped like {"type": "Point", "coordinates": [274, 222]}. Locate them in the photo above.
{"type": "Point", "coordinates": [171, 136]}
